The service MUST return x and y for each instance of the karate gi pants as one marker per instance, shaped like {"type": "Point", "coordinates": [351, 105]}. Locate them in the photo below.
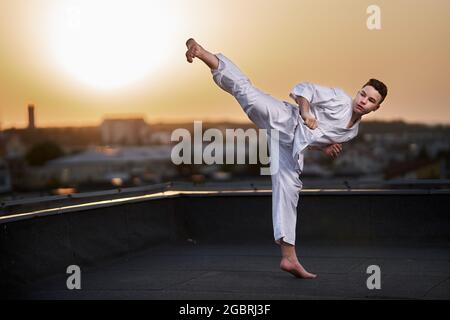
{"type": "Point", "coordinates": [269, 113]}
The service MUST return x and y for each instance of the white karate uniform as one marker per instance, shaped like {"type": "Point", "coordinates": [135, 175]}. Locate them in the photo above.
{"type": "Point", "coordinates": [332, 109]}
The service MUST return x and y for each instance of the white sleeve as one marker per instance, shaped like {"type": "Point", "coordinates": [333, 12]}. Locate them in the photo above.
{"type": "Point", "coordinates": [313, 93]}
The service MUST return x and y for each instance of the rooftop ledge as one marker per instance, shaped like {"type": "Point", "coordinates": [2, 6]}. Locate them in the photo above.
{"type": "Point", "coordinates": [14, 210]}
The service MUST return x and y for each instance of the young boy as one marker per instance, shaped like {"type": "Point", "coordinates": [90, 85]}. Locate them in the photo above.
{"type": "Point", "coordinates": [328, 118]}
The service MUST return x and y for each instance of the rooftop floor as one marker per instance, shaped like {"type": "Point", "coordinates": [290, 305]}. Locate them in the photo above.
{"type": "Point", "coordinates": [200, 271]}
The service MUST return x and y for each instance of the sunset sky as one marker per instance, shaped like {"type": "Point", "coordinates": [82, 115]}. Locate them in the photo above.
{"type": "Point", "coordinates": [82, 61]}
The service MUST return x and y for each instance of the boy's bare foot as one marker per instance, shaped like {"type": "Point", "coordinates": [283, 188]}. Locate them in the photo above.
{"type": "Point", "coordinates": [194, 50]}
{"type": "Point", "coordinates": [197, 51]}
{"type": "Point", "coordinates": [296, 269]}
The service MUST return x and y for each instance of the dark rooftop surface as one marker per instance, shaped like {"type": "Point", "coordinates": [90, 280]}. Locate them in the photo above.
{"type": "Point", "coordinates": [196, 271]}
{"type": "Point", "coordinates": [217, 244]}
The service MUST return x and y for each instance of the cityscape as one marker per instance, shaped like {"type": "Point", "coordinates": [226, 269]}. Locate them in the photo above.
{"type": "Point", "coordinates": [128, 151]}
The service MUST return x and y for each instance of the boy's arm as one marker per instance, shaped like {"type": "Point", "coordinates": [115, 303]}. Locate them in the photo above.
{"type": "Point", "coordinates": [306, 94]}
{"type": "Point", "coordinates": [315, 148]}
{"type": "Point", "coordinates": [305, 112]}
{"type": "Point", "coordinates": [332, 150]}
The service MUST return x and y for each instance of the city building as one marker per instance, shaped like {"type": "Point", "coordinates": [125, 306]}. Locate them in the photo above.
{"type": "Point", "coordinates": [5, 179]}
{"type": "Point", "coordinates": [31, 118]}
{"type": "Point", "coordinates": [125, 132]}
{"type": "Point", "coordinates": [106, 165]}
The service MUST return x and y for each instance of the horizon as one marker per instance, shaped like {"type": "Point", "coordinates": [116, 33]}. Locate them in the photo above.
{"type": "Point", "coordinates": [209, 121]}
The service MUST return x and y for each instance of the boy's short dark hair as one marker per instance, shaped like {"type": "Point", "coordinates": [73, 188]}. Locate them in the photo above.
{"type": "Point", "coordinates": [379, 86]}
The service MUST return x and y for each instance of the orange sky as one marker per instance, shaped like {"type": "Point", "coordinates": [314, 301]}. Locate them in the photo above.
{"type": "Point", "coordinates": [79, 61]}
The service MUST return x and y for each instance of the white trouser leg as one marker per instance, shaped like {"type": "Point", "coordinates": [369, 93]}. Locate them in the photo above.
{"type": "Point", "coordinates": [286, 186]}
{"type": "Point", "coordinates": [263, 110]}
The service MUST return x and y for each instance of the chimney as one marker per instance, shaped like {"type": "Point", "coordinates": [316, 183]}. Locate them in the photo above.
{"type": "Point", "coordinates": [31, 124]}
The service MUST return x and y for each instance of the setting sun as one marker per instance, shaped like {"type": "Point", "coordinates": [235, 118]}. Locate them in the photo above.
{"type": "Point", "coordinates": [110, 44]}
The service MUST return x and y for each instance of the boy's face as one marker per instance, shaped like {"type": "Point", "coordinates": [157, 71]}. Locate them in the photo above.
{"type": "Point", "coordinates": [366, 100]}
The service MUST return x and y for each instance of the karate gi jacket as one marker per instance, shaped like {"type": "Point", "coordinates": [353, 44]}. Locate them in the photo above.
{"type": "Point", "coordinates": [332, 108]}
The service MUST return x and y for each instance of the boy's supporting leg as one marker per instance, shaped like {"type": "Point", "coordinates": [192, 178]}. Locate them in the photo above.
{"type": "Point", "coordinates": [286, 186]}
{"type": "Point", "coordinates": [289, 262]}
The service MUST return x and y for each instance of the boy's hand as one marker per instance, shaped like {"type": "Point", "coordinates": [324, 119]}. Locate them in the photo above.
{"type": "Point", "coordinates": [310, 122]}
{"type": "Point", "coordinates": [194, 50]}
{"type": "Point", "coordinates": [333, 150]}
